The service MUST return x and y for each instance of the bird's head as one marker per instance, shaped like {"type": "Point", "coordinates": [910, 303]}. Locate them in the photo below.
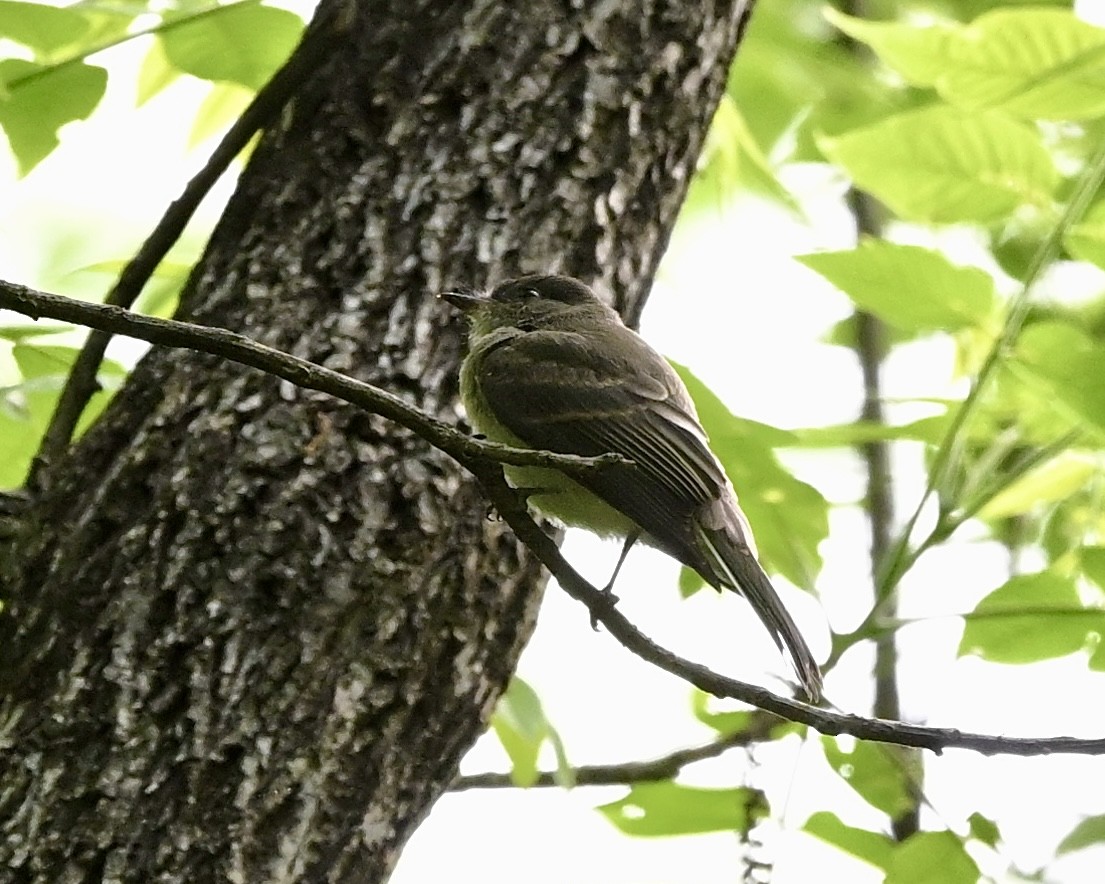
{"type": "Point", "coordinates": [528, 302]}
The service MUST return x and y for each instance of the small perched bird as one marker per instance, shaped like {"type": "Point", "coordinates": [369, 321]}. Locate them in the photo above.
{"type": "Point", "coordinates": [551, 367]}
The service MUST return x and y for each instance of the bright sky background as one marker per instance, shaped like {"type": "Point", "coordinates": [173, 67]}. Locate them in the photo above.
{"type": "Point", "coordinates": [732, 305]}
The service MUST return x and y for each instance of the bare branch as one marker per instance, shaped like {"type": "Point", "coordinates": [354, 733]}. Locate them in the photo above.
{"type": "Point", "coordinates": [484, 460]}
{"type": "Point", "coordinates": [665, 767]}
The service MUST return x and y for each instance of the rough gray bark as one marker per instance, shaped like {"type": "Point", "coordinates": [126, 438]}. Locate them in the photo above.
{"type": "Point", "coordinates": [249, 632]}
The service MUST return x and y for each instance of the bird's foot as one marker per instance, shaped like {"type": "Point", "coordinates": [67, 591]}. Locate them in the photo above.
{"type": "Point", "coordinates": [609, 600]}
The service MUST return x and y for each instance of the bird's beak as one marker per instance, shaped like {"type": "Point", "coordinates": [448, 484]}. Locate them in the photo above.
{"type": "Point", "coordinates": [464, 299]}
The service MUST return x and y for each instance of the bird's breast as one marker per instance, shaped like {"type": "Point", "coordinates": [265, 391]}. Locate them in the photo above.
{"type": "Point", "coordinates": [551, 492]}
{"type": "Point", "coordinates": [554, 494]}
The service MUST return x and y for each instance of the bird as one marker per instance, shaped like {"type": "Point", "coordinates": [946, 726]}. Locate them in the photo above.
{"type": "Point", "coordinates": [551, 367]}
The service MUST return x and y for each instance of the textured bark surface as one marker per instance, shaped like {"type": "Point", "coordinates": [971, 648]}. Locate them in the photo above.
{"type": "Point", "coordinates": [249, 632]}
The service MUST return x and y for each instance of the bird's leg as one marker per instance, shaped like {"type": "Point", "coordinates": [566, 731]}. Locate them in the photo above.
{"type": "Point", "coordinates": [630, 539]}
{"type": "Point", "coordinates": [608, 590]}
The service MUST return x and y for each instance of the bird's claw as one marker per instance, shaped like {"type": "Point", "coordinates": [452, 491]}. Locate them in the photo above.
{"type": "Point", "coordinates": [609, 600]}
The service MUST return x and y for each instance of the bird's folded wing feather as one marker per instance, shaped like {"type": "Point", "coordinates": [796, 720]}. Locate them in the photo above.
{"type": "Point", "coordinates": [562, 392]}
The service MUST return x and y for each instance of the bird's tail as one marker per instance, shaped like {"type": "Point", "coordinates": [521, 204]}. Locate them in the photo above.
{"type": "Point", "coordinates": [736, 567]}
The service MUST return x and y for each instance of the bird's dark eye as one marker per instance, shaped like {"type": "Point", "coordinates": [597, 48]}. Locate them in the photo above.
{"type": "Point", "coordinates": [530, 293]}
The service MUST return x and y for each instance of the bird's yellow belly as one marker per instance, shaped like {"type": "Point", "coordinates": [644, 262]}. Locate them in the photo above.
{"type": "Point", "coordinates": [550, 492]}
{"type": "Point", "coordinates": [554, 494]}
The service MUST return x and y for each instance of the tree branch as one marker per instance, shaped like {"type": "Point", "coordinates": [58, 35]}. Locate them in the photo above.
{"type": "Point", "coordinates": [871, 348]}
{"type": "Point", "coordinates": [665, 767]}
{"type": "Point", "coordinates": [484, 460]}
{"type": "Point", "coordinates": [238, 348]}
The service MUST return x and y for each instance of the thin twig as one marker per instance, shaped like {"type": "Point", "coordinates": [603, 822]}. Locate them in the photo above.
{"type": "Point", "coordinates": [484, 461]}
{"type": "Point", "coordinates": [665, 767]}
{"type": "Point", "coordinates": [871, 349]}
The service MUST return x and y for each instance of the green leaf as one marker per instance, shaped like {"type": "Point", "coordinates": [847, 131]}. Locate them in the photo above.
{"type": "Point", "coordinates": [753, 168]}
{"type": "Point", "coordinates": [926, 429]}
{"type": "Point", "coordinates": [666, 808]}
{"type": "Point", "coordinates": [218, 110]}
{"type": "Point", "coordinates": [725, 723]}
{"type": "Point", "coordinates": [520, 724]}
{"type": "Point", "coordinates": [736, 721]}
{"type": "Point", "coordinates": [909, 287]}
{"type": "Point", "coordinates": [780, 71]}
{"type": "Point", "coordinates": [984, 830]}
{"type": "Point", "coordinates": [919, 54]}
{"type": "Point", "coordinates": [1067, 525]}
{"type": "Point", "coordinates": [1092, 559]}
{"type": "Point", "coordinates": [941, 164]}
{"type": "Point", "coordinates": [20, 430]}
{"type": "Point", "coordinates": [968, 10]}
{"type": "Point", "coordinates": [872, 847]}
{"type": "Point", "coordinates": [1088, 833]}
{"type": "Point", "coordinates": [155, 74]}
{"type": "Point", "coordinates": [873, 773]}
{"type": "Point", "coordinates": [48, 366]}
{"type": "Point", "coordinates": [1086, 239]}
{"type": "Point", "coordinates": [730, 160]}
{"type": "Point", "coordinates": [36, 101]}
{"type": "Point", "coordinates": [109, 23]}
{"type": "Point", "coordinates": [1068, 367]}
{"type": "Point", "coordinates": [1035, 63]}
{"type": "Point", "coordinates": [17, 333]}
{"type": "Point", "coordinates": [160, 295]}
{"type": "Point", "coordinates": [40, 27]}
{"type": "Point", "coordinates": [48, 363]}
{"type": "Point", "coordinates": [793, 77]}
{"type": "Point", "coordinates": [564, 775]}
{"type": "Point", "coordinates": [845, 333]}
{"type": "Point", "coordinates": [1016, 246]}
{"type": "Point", "coordinates": [1055, 480]}
{"type": "Point", "coordinates": [932, 858]}
{"type": "Point", "coordinates": [789, 518]}
{"type": "Point", "coordinates": [243, 43]}
{"type": "Point", "coordinates": [1096, 662]}
{"type": "Point", "coordinates": [690, 582]}
{"type": "Point", "coordinates": [1031, 617]}
{"type": "Point", "coordinates": [26, 407]}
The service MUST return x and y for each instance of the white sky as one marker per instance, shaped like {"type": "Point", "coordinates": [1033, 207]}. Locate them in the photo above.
{"type": "Point", "coordinates": [760, 351]}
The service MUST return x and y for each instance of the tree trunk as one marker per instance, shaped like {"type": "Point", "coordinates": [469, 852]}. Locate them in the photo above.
{"type": "Point", "coordinates": [249, 631]}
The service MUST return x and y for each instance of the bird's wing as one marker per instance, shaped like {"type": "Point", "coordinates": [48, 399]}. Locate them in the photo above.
{"type": "Point", "coordinates": [560, 391]}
